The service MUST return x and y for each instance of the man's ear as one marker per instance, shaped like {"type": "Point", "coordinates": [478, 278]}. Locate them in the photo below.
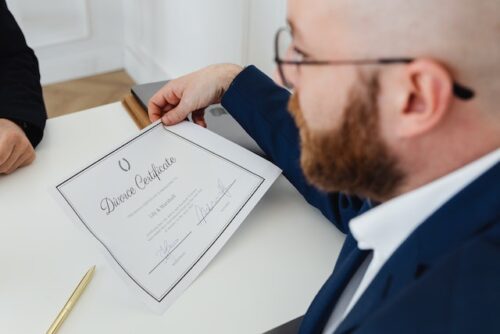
{"type": "Point", "coordinates": [429, 97]}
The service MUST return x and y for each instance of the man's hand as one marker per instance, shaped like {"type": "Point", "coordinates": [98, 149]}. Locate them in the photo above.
{"type": "Point", "coordinates": [192, 93]}
{"type": "Point", "coordinates": [15, 148]}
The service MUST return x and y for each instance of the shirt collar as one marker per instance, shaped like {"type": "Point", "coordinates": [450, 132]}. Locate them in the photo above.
{"type": "Point", "coordinates": [385, 227]}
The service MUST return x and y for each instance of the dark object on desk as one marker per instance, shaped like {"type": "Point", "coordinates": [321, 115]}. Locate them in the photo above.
{"type": "Point", "coordinates": [217, 118]}
{"type": "Point", "coordinates": [20, 90]}
{"type": "Point", "coordinates": [291, 327]}
{"type": "Point", "coordinates": [136, 111]}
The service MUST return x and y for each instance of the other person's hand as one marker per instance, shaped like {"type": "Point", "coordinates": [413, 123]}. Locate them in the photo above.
{"type": "Point", "coordinates": [192, 93]}
{"type": "Point", "coordinates": [15, 148]}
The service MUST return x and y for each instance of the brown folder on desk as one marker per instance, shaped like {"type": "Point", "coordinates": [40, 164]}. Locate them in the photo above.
{"type": "Point", "coordinates": [136, 111]}
{"type": "Point", "coordinates": [136, 102]}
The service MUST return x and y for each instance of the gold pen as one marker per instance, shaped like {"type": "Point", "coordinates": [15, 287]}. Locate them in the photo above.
{"type": "Point", "coordinates": [71, 301]}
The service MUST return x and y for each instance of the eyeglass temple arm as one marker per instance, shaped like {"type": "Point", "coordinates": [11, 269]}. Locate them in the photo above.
{"type": "Point", "coordinates": [458, 89]}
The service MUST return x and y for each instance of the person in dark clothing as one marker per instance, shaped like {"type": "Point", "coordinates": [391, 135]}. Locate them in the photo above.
{"type": "Point", "coordinates": [22, 110]}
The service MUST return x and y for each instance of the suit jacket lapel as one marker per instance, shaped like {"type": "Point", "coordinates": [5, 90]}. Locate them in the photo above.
{"type": "Point", "coordinates": [393, 275]}
{"type": "Point", "coordinates": [322, 306]}
{"type": "Point", "coordinates": [471, 210]}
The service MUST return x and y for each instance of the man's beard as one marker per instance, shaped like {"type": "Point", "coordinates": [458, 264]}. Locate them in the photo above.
{"type": "Point", "coordinates": [352, 158]}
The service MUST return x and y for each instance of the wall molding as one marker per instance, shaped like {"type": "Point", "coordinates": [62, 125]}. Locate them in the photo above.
{"type": "Point", "coordinates": [142, 67]}
{"type": "Point", "coordinates": [43, 31]}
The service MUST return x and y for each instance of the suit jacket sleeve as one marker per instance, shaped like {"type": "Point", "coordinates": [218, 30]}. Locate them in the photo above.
{"type": "Point", "coordinates": [21, 97]}
{"type": "Point", "coordinates": [260, 106]}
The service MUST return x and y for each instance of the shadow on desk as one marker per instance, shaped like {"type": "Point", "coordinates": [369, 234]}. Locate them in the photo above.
{"type": "Point", "coordinates": [291, 327]}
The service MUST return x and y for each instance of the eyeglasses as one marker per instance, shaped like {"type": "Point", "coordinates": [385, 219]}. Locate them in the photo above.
{"type": "Point", "coordinates": [283, 50]}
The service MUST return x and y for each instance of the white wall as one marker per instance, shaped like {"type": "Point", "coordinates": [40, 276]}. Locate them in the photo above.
{"type": "Point", "coordinates": [266, 17]}
{"type": "Point", "coordinates": [165, 39]}
{"type": "Point", "coordinates": [151, 39]}
{"type": "Point", "coordinates": [72, 38]}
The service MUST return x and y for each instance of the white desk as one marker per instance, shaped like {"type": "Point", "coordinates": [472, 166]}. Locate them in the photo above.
{"type": "Point", "coordinates": [266, 274]}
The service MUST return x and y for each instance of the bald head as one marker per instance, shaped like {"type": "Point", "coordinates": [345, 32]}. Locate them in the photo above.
{"type": "Point", "coordinates": [464, 35]}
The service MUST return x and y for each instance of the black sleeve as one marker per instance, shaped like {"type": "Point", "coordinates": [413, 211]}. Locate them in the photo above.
{"type": "Point", "coordinates": [260, 106]}
{"type": "Point", "coordinates": [21, 98]}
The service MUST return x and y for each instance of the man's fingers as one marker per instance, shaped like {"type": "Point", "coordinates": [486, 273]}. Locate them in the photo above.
{"type": "Point", "coordinates": [162, 101]}
{"type": "Point", "coordinates": [154, 111]}
{"type": "Point", "coordinates": [176, 115]}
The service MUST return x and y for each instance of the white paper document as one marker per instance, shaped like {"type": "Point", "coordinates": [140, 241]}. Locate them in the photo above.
{"type": "Point", "coordinates": [163, 204]}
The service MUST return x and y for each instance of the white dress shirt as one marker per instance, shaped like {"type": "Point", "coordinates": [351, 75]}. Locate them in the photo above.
{"type": "Point", "coordinates": [384, 228]}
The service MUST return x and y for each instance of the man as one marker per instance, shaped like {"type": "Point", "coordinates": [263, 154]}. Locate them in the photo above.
{"type": "Point", "coordinates": [22, 111]}
{"type": "Point", "coordinates": [396, 102]}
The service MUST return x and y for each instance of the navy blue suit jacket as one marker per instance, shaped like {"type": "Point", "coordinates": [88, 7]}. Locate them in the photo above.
{"type": "Point", "coordinates": [445, 278]}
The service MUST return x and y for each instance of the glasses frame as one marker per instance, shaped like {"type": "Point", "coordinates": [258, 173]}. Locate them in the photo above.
{"type": "Point", "coordinates": [459, 90]}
